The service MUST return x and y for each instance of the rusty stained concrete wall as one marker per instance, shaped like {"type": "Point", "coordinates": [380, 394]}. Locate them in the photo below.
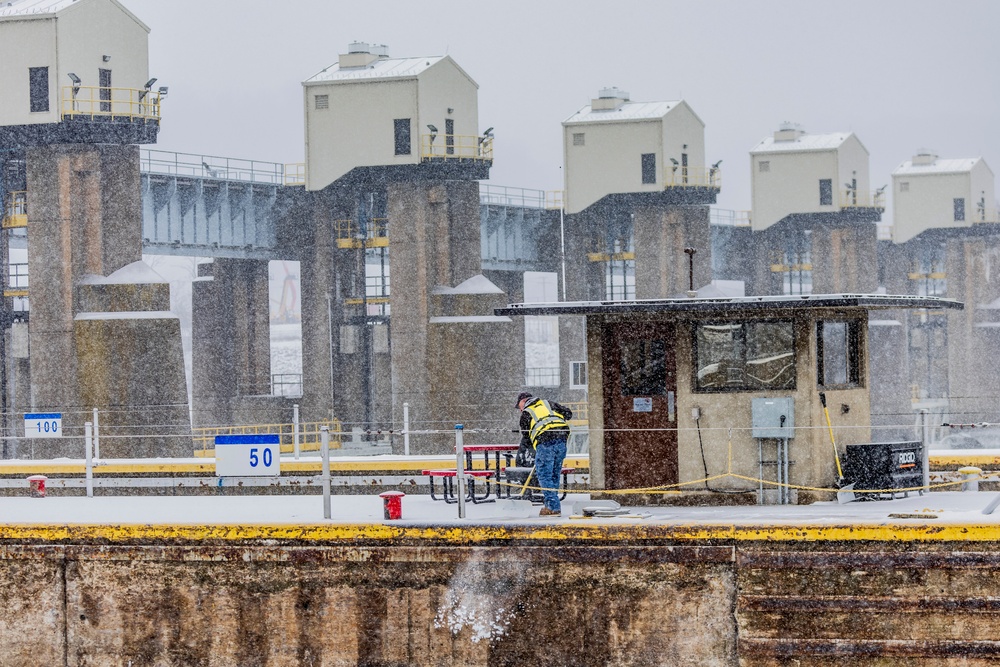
{"type": "Point", "coordinates": [858, 603]}
{"type": "Point", "coordinates": [382, 607]}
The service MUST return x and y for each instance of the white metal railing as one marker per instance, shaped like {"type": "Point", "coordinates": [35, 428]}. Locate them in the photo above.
{"type": "Point", "coordinates": [211, 167]}
{"type": "Point", "coordinates": [728, 218]}
{"type": "Point", "coordinates": [500, 195]}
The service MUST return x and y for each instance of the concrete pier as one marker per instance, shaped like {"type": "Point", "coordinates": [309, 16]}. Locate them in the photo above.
{"type": "Point", "coordinates": [872, 584]}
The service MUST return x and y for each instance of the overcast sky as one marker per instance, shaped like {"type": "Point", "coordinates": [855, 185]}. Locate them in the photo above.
{"type": "Point", "coordinates": [900, 74]}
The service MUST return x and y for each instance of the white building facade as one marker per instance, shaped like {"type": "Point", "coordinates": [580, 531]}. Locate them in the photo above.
{"type": "Point", "coordinates": [934, 193]}
{"type": "Point", "coordinates": [71, 56]}
{"type": "Point", "coordinates": [614, 146]}
{"type": "Point", "coordinates": [371, 110]}
{"type": "Point", "coordinates": [793, 172]}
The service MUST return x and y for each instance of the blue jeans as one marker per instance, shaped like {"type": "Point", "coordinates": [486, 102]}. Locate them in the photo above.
{"type": "Point", "coordinates": [549, 458]}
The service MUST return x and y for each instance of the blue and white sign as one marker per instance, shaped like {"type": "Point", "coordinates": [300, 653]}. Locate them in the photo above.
{"type": "Point", "coordinates": [247, 455]}
{"type": "Point", "coordinates": [43, 425]}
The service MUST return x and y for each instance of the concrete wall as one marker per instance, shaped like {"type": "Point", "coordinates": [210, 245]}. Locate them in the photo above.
{"type": "Point", "coordinates": [83, 203]}
{"type": "Point", "coordinates": [661, 235]}
{"type": "Point", "coordinates": [231, 337]}
{"type": "Point", "coordinates": [710, 603]}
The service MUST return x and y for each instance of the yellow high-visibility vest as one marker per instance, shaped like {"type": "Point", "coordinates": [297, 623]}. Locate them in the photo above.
{"type": "Point", "coordinates": [543, 418]}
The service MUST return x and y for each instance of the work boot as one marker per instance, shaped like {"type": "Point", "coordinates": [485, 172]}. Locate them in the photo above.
{"type": "Point", "coordinates": [545, 511]}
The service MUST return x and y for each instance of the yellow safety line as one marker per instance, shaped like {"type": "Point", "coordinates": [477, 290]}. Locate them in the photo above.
{"type": "Point", "coordinates": [598, 531]}
{"type": "Point", "coordinates": [287, 465]}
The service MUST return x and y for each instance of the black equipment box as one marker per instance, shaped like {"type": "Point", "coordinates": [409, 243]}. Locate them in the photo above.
{"type": "Point", "coordinates": [884, 466]}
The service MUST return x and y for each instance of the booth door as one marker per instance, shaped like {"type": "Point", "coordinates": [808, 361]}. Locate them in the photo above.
{"type": "Point", "coordinates": [640, 408]}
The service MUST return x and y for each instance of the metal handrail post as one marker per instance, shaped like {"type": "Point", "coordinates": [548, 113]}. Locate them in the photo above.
{"type": "Point", "coordinates": [324, 437]}
{"type": "Point", "coordinates": [295, 430]}
{"type": "Point", "coordinates": [97, 437]}
{"type": "Point", "coordinates": [88, 443]}
{"type": "Point", "coordinates": [926, 454]}
{"type": "Point", "coordinates": [406, 429]}
{"type": "Point", "coordinates": [460, 469]}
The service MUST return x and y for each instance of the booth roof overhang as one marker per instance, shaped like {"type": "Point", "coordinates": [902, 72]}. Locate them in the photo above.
{"type": "Point", "coordinates": [757, 304]}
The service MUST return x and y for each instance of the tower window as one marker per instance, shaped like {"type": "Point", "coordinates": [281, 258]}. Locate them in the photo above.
{"type": "Point", "coordinates": [959, 209]}
{"type": "Point", "coordinates": [38, 88]}
{"type": "Point", "coordinates": [401, 127]}
{"type": "Point", "coordinates": [825, 192]}
{"type": "Point", "coordinates": [649, 168]}
{"type": "Point", "coordinates": [104, 76]}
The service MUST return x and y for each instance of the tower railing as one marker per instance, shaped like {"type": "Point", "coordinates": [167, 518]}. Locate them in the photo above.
{"type": "Point", "coordinates": [693, 177]}
{"type": "Point", "coordinates": [16, 211]}
{"type": "Point", "coordinates": [455, 147]}
{"type": "Point", "coordinates": [862, 199]}
{"type": "Point", "coordinates": [211, 167]}
{"type": "Point", "coordinates": [501, 195]}
{"type": "Point", "coordinates": [99, 102]}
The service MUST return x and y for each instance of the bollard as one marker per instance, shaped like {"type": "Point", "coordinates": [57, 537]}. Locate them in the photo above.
{"type": "Point", "coordinates": [36, 486]}
{"type": "Point", "coordinates": [970, 477]}
{"type": "Point", "coordinates": [392, 504]}
{"type": "Point", "coordinates": [324, 452]}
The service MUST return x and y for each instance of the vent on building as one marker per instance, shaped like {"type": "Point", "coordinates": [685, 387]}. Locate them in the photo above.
{"type": "Point", "coordinates": [788, 131]}
{"type": "Point", "coordinates": [764, 165]}
{"type": "Point", "coordinates": [362, 54]}
{"type": "Point", "coordinates": [609, 99]}
{"type": "Point", "coordinates": [925, 156]}
{"type": "Point", "coordinates": [579, 139]}
{"type": "Point", "coordinates": [322, 101]}
{"type": "Point", "coordinates": [904, 186]}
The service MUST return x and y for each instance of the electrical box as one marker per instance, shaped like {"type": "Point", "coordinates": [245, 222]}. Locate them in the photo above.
{"type": "Point", "coordinates": [773, 418]}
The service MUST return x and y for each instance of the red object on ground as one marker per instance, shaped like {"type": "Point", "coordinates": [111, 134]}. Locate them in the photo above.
{"type": "Point", "coordinates": [36, 486]}
{"type": "Point", "coordinates": [392, 503]}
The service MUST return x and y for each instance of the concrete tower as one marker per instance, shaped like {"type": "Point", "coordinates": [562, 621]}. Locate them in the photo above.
{"type": "Point", "coordinates": [78, 98]}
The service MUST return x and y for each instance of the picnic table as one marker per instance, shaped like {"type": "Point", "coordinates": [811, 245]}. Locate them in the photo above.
{"type": "Point", "coordinates": [506, 450]}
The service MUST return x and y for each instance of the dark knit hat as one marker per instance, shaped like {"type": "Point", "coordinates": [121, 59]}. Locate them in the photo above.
{"type": "Point", "coordinates": [520, 397]}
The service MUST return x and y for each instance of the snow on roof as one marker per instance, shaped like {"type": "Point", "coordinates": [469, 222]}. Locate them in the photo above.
{"type": "Point", "coordinates": [955, 166]}
{"type": "Point", "coordinates": [627, 111]}
{"type": "Point", "coordinates": [469, 319]}
{"type": "Point", "coordinates": [129, 315]}
{"type": "Point", "coordinates": [477, 284]}
{"type": "Point", "coordinates": [805, 142]}
{"type": "Point", "coordinates": [385, 68]}
{"type": "Point", "coordinates": [32, 7]}
{"type": "Point", "coordinates": [136, 273]}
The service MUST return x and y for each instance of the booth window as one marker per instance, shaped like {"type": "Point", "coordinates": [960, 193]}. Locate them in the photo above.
{"type": "Point", "coordinates": [644, 367]}
{"type": "Point", "coordinates": [838, 353]}
{"type": "Point", "coordinates": [744, 356]}
{"type": "Point", "coordinates": [578, 375]}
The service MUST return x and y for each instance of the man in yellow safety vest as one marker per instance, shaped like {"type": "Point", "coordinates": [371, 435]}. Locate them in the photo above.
{"type": "Point", "coordinates": [545, 426]}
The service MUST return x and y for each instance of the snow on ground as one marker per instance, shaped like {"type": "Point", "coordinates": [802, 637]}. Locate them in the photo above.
{"type": "Point", "coordinates": [947, 508]}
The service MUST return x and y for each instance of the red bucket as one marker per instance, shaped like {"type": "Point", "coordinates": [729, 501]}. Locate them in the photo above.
{"type": "Point", "coordinates": [36, 486]}
{"type": "Point", "coordinates": [392, 503]}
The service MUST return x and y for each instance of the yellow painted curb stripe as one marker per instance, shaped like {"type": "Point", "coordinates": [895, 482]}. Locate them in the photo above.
{"type": "Point", "coordinates": [474, 534]}
{"type": "Point", "coordinates": [962, 460]}
{"type": "Point", "coordinates": [411, 466]}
